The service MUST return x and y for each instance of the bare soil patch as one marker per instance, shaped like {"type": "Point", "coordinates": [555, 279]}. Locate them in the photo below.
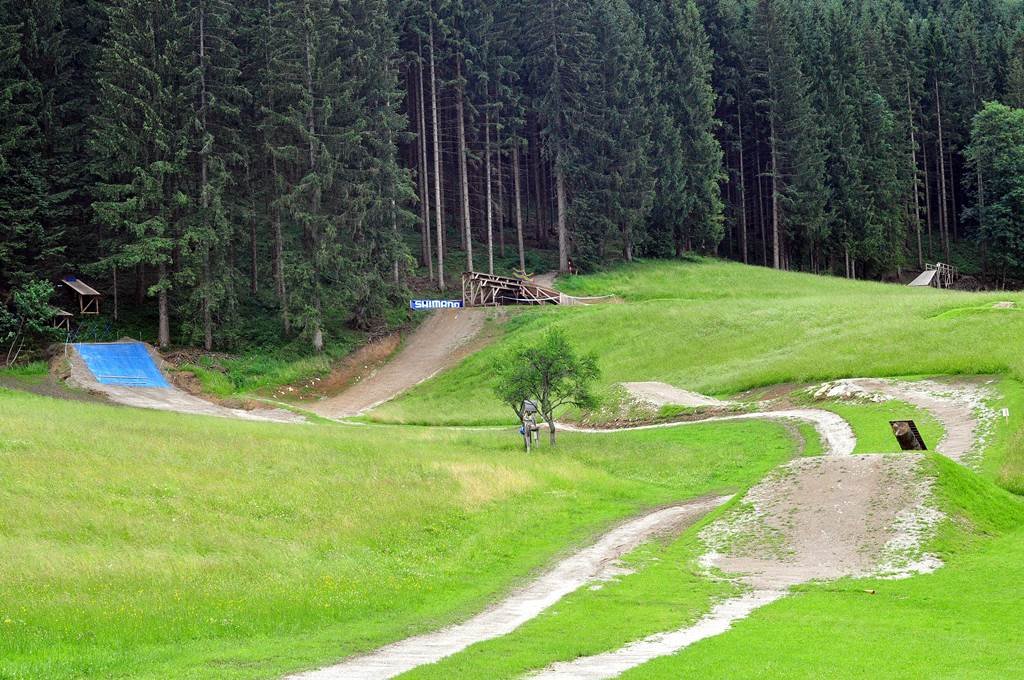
{"type": "Point", "coordinates": [444, 339]}
{"type": "Point", "coordinates": [660, 394]}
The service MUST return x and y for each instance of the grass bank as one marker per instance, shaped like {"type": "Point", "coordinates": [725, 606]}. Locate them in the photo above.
{"type": "Point", "coordinates": [720, 328]}
{"type": "Point", "coordinates": [929, 625]}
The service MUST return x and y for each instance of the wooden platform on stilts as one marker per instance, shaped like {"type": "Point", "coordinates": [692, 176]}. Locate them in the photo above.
{"type": "Point", "coordinates": [489, 290]}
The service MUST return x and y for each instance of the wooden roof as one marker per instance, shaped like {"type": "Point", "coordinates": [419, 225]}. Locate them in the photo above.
{"type": "Point", "coordinates": [80, 287]}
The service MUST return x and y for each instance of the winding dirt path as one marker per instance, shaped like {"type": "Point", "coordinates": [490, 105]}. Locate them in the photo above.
{"type": "Point", "coordinates": [835, 432]}
{"type": "Point", "coordinates": [958, 406]}
{"type": "Point", "coordinates": [817, 518]}
{"type": "Point", "coordinates": [439, 343]}
{"type": "Point", "coordinates": [597, 562]}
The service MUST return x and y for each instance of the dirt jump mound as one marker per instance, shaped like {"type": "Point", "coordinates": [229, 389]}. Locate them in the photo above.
{"type": "Point", "coordinates": [129, 373]}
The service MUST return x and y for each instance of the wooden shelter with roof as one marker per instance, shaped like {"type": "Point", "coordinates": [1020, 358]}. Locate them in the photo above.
{"type": "Point", "coordinates": [88, 297]}
{"type": "Point", "coordinates": [62, 319]}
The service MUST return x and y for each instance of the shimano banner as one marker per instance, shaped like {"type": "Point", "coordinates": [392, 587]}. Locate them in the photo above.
{"type": "Point", "coordinates": [425, 305]}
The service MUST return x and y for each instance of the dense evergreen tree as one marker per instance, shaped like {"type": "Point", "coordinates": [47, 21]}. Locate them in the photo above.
{"type": "Point", "coordinates": [996, 152]}
{"type": "Point", "coordinates": [277, 158]}
{"type": "Point", "coordinates": [30, 236]}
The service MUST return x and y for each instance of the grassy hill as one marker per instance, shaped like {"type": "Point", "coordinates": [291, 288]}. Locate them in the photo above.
{"type": "Point", "coordinates": [154, 545]}
{"type": "Point", "coordinates": [719, 328]}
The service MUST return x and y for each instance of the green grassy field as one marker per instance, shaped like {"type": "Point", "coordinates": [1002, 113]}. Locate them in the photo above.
{"type": "Point", "coordinates": [155, 545]}
{"type": "Point", "coordinates": [720, 328]}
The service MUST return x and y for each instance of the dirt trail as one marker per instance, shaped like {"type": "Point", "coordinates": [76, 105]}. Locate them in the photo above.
{"type": "Point", "coordinates": [819, 518]}
{"type": "Point", "coordinates": [836, 433]}
{"type": "Point", "coordinates": [597, 562]}
{"type": "Point", "coordinates": [660, 394]}
{"type": "Point", "coordinates": [440, 342]}
{"type": "Point", "coordinates": [959, 406]}
{"type": "Point", "coordinates": [813, 519]}
{"type": "Point", "coordinates": [166, 398]}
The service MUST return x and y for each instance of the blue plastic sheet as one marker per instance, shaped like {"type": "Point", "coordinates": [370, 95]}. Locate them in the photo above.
{"type": "Point", "coordinates": [121, 363]}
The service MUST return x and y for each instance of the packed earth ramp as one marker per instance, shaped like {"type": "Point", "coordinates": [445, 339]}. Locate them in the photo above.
{"type": "Point", "coordinates": [440, 342]}
{"type": "Point", "coordinates": [167, 398]}
{"type": "Point", "coordinates": [598, 562]}
{"type": "Point", "coordinates": [813, 519]}
{"type": "Point", "coordinates": [961, 407]}
{"type": "Point", "coordinates": [661, 394]}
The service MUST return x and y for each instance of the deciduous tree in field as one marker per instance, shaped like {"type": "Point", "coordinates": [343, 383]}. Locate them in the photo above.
{"type": "Point", "coordinates": [550, 373]}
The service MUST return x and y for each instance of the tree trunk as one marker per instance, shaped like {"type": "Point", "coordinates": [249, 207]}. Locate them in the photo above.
{"type": "Point", "coordinates": [280, 284]}
{"type": "Point", "coordinates": [535, 158]}
{"type": "Point", "coordinates": [253, 238]}
{"type": "Point", "coordinates": [313, 238]}
{"type": "Point", "coordinates": [461, 127]}
{"type": "Point", "coordinates": [501, 193]}
{"type": "Point", "coordinates": [426, 250]}
{"type": "Point", "coordinates": [140, 284]}
{"type": "Point", "coordinates": [551, 419]}
{"type": "Point", "coordinates": [776, 263]}
{"type": "Point", "coordinates": [927, 197]}
{"type": "Point", "coordinates": [913, 169]}
{"type": "Point", "coordinates": [519, 207]}
{"type": "Point", "coordinates": [943, 218]}
{"type": "Point", "coordinates": [954, 213]}
{"type": "Point", "coordinates": [761, 206]}
{"type": "Point", "coordinates": [164, 327]}
{"type": "Point", "coordinates": [115, 292]}
{"type": "Point", "coordinates": [204, 182]}
{"type": "Point", "coordinates": [563, 231]}
{"type": "Point", "coordinates": [743, 188]}
{"type": "Point", "coordinates": [487, 181]}
{"type": "Point", "coordinates": [439, 206]}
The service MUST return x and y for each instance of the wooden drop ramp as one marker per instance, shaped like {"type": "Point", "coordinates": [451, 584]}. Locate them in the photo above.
{"type": "Point", "coordinates": [489, 290]}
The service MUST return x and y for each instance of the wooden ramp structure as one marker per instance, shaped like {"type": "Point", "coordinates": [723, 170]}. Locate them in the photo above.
{"type": "Point", "coordinates": [938, 275]}
{"type": "Point", "coordinates": [490, 290]}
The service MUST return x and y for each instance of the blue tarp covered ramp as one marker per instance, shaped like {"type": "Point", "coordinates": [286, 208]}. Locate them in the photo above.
{"type": "Point", "coordinates": [121, 363]}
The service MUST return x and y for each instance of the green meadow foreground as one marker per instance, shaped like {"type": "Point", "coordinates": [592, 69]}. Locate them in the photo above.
{"type": "Point", "coordinates": [146, 544]}
{"type": "Point", "coordinates": [157, 545]}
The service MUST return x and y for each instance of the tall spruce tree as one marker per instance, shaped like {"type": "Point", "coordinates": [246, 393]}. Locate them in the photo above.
{"type": "Point", "coordinates": [138, 141]}
{"type": "Point", "coordinates": [561, 62]}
